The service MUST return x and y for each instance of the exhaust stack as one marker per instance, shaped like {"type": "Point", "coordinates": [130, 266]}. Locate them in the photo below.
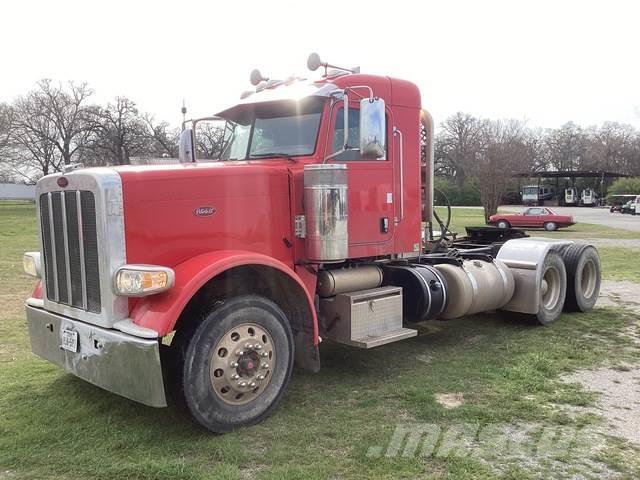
{"type": "Point", "coordinates": [427, 212]}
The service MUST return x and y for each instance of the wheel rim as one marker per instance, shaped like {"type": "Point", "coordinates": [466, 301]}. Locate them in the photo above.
{"type": "Point", "coordinates": [588, 280]}
{"type": "Point", "coordinates": [550, 288]}
{"type": "Point", "coordinates": [241, 363]}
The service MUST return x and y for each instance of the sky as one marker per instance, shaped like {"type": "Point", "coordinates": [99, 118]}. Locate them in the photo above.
{"type": "Point", "coordinates": [546, 62]}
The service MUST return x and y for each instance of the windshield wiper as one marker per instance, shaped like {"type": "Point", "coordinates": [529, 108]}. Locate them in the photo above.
{"type": "Point", "coordinates": [272, 154]}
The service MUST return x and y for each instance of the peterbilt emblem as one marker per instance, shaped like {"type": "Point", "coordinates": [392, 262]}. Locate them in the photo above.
{"type": "Point", "coordinates": [204, 211]}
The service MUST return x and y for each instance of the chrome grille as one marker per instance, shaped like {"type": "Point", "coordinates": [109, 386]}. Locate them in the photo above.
{"type": "Point", "coordinates": [70, 249]}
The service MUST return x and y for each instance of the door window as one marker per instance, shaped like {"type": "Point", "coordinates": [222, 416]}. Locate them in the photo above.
{"type": "Point", "coordinates": [535, 211]}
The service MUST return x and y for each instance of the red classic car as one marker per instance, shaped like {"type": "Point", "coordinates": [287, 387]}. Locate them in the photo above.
{"type": "Point", "coordinates": [534, 217]}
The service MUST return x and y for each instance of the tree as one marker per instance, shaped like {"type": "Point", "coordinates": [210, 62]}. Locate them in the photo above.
{"type": "Point", "coordinates": [67, 112]}
{"type": "Point", "coordinates": [119, 133]}
{"type": "Point", "coordinates": [209, 140]}
{"type": "Point", "coordinates": [164, 139]}
{"type": "Point", "coordinates": [503, 151]}
{"type": "Point", "coordinates": [32, 152]}
{"type": "Point", "coordinates": [566, 147]}
{"type": "Point", "coordinates": [613, 147]}
{"type": "Point", "coordinates": [457, 144]}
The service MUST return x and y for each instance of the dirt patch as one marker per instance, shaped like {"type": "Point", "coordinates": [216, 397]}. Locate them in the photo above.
{"type": "Point", "coordinates": [619, 401]}
{"type": "Point", "coordinates": [614, 242]}
{"type": "Point", "coordinates": [622, 293]}
{"type": "Point", "coordinates": [450, 400]}
{"type": "Point", "coordinates": [618, 386]}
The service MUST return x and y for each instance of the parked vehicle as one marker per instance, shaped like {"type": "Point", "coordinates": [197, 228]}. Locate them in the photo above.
{"type": "Point", "coordinates": [534, 217]}
{"type": "Point", "coordinates": [207, 281]}
{"type": "Point", "coordinates": [622, 203]}
{"type": "Point", "coordinates": [536, 195]}
{"type": "Point", "coordinates": [571, 196]}
{"type": "Point", "coordinates": [589, 198]}
{"type": "Point", "coordinates": [634, 207]}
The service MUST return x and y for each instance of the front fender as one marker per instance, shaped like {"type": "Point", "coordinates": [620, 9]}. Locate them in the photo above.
{"type": "Point", "coordinates": [160, 312]}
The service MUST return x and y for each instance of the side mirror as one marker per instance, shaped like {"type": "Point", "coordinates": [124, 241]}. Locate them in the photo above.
{"type": "Point", "coordinates": [372, 128]}
{"type": "Point", "coordinates": [186, 152]}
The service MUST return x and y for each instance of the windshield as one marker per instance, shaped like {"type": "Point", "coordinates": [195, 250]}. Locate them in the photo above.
{"type": "Point", "coordinates": [274, 129]}
{"type": "Point", "coordinates": [530, 190]}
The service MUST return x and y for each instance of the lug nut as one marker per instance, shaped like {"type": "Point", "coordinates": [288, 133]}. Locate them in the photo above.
{"type": "Point", "coordinates": [239, 353]}
{"type": "Point", "coordinates": [264, 354]}
{"type": "Point", "coordinates": [252, 384]}
{"type": "Point", "coordinates": [234, 365]}
{"type": "Point", "coordinates": [260, 377]}
{"type": "Point", "coordinates": [265, 365]}
{"type": "Point", "coordinates": [248, 346]}
{"type": "Point", "coordinates": [257, 346]}
{"type": "Point", "coordinates": [235, 376]}
{"type": "Point", "coordinates": [243, 384]}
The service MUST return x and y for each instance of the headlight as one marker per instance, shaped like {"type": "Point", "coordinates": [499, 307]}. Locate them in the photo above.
{"type": "Point", "coordinates": [142, 280]}
{"type": "Point", "coordinates": [31, 264]}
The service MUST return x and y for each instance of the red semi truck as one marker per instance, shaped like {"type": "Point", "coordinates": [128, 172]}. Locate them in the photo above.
{"type": "Point", "coordinates": [208, 280]}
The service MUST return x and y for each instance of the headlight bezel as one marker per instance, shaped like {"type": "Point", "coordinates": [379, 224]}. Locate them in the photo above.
{"type": "Point", "coordinates": [128, 280]}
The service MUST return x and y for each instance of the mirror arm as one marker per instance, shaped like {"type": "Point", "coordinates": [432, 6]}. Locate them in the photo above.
{"type": "Point", "coordinates": [367, 87]}
{"type": "Point", "coordinates": [345, 101]}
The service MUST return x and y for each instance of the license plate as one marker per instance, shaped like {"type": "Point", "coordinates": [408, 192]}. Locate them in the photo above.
{"type": "Point", "coordinates": [70, 340]}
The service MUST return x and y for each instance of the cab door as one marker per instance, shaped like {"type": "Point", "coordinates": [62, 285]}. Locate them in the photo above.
{"type": "Point", "coordinates": [371, 195]}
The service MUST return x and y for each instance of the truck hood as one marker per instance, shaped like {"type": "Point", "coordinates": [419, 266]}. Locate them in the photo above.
{"type": "Point", "coordinates": [175, 212]}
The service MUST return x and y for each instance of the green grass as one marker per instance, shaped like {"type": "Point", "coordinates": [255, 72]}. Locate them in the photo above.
{"type": "Point", "coordinates": [53, 425]}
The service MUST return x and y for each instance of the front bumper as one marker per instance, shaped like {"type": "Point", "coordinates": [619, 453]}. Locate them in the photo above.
{"type": "Point", "coordinates": [118, 362]}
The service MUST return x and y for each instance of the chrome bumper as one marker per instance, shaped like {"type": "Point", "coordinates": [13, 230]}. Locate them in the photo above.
{"type": "Point", "coordinates": [120, 363]}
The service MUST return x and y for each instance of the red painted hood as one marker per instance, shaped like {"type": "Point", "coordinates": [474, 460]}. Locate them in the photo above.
{"type": "Point", "coordinates": [174, 212]}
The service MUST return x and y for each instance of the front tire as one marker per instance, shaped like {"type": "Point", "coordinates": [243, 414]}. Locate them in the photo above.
{"type": "Point", "coordinates": [550, 226]}
{"type": "Point", "coordinates": [237, 364]}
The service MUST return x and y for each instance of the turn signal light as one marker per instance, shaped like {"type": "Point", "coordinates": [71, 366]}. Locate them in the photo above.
{"type": "Point", "coordinates": [142, 280]}
{"type": "Point", "coordinates": [31, 264]}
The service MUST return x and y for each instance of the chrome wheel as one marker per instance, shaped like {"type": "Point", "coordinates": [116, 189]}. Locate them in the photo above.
{"type": "Point", "coordinates": [551, 288]}
{"type": "Point", "coordinates": [589, 278]}
{"type": "Point", "coordinates": [241, 362]}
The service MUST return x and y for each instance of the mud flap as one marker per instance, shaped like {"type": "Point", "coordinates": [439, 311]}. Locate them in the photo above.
{"type": "Point", "coordinates": [307, 355]}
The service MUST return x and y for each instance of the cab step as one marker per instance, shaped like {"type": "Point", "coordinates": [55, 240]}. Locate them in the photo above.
{"type": "Point", "coordinates": [390, 337]}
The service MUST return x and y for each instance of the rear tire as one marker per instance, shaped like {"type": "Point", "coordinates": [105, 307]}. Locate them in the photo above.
{"type": "Point", "coordinates": [553, 289]}
{"type": "Point", "coordinates": [247, 340]}
{"type": "Point", "coordinates": [550, 226]}
{"type": "Point", "coordinates": [583, 277]}
{"type": "Point", "coordinates": [503, 224]}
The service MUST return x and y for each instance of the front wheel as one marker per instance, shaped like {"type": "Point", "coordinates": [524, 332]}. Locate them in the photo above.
{"type": "Point", "coordinates": [550, 226]}
{"type": "Point", "coordinates": [237, 363]}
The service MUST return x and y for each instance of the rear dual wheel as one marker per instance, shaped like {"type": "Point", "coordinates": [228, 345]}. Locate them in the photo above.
{"type": "Point", "coordinates": [583, 277]}
{"type": "Point", "coordinates": [237, 363]}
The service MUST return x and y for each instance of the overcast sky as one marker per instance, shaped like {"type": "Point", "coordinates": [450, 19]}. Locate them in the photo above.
{"type": "Point", "coordinates": [544, 61]}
